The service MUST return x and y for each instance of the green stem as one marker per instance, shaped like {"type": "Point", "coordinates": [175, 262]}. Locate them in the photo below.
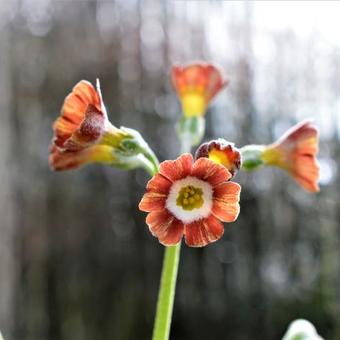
{"type": "Point", "coordinates": [151, 167]}
{"type": "Point", "coordinates": [150, 155]}
{"type": "Point", "coordinates": [166, 295]}
{"type": "Point", "coordinates": [167, 287]}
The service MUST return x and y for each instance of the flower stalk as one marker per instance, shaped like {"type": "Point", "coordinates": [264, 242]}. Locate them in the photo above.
{"type": "Point", "coordinates": [166, 294]}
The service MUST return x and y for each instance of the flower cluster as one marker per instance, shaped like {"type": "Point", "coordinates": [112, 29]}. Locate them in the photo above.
{"type": "Point", "coordinates": [185, 197]}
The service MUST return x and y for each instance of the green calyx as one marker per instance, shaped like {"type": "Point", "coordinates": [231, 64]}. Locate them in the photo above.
{"type": "Point", "coordinates": [133, 152]}
{"type": "Point", "coordinates": [191, 130]}
{"type": "Point", "coordinates": [251, 156]}
{"type": "Point", "coordinates": [131, 162]}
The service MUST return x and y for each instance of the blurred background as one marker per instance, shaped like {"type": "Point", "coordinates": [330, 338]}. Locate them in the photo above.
{"type": "Point", "coordinates": [76, 259]}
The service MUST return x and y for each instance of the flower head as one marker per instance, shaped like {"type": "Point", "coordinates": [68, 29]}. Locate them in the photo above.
{"type": "Point", "coordinates": [196, 85]}
{"type": "Point", "coordinates": [301, 329]}
{"type": "Point", "coordinates": [221, 152]}
{"type": "Point", "coordinates": [83, 134]}
{"type": "Point", "coordinates": [296, 152]}
{"type": "Point", "coordinates": [190, 199]}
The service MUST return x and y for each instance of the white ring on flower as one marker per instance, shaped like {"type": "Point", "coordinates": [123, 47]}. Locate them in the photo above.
{"type": "Point", "coordinates": [188, 216]}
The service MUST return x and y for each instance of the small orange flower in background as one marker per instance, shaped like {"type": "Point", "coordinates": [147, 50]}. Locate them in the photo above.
{"type": "Point", "coordinates": [296, 153]}
{"type": "Point", "coordinates": [221, 152]}
{"type": "Point", "coordinates": [196, 85]}
{"type": "Point", "coordinates": [83, 133]}
{"type": "Point", "coordinates": [190, 199]}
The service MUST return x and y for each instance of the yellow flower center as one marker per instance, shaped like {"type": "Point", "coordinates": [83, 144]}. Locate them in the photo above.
{"type": "Point", "coordinates": [193, 104]}
{"type": "Point", "coordinates": [190, 198]}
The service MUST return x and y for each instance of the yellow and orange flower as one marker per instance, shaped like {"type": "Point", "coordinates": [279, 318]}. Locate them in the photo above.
{"type": "Point", "coordinates": [196, 85]}
{"type": "Point", "coordinates": [190, 199]}
{"type": "Point", "coordinates": [83, 133]}
{"type": "Point", "coordinates": [221, 152]}
{"type": "Point", "coordinates": [296, 153]}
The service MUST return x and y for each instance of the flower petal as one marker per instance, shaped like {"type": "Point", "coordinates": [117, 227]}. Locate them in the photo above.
{"type": "Point", "coordinates": [306, 172]}
{"type": "Point", "coordinates": [204, 231]}
{"type": "Point", "coordinates": [156, 194]}
{"type": "Point", "coordinates": [66, 160]}
{"type": "Point", "coordinates": [297, 136]}
{"type": "Point", "coordinates": [203, 77]}
{"type": "Point", "coordinates": [159, 183]}
{"type": "Point", "coordinates": [216, 81]}
{"type": "Point", "coordinates": [73, 110]}
{"type": "Point", "coordinates": [177, 169]}
{"type": "Point", "coordinates": [89, 131]}
{"type": "Point", "coordinates": [226, 201]}
{"type": "Point", "coordinates": [152, 201]}
{"type": "Point", "coordinates": [165, 227]}
{"type": "Point", "coordinates": [210, 171]}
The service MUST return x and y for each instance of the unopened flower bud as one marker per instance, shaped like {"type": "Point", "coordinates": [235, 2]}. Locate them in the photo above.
{"type": "Point", "coordinates": [221, 152]}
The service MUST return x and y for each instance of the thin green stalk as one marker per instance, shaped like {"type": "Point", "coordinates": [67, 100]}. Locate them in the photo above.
{"type": "Point", "coordinates": [151, 167]}
{"type": "Point", "coordinates": [166, 295]}
{"type": "Point", "coordinates": [167, 287]}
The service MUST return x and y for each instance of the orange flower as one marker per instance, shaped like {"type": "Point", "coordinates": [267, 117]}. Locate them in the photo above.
{"type": "Point", "coordinates": [221, 152]}
{"type": "Point", "coordinates": [83, 133]}
{"type": "Point", "coordinates": [196, 85]}
{"type": "Point", "coordinates": [296, 152]}
{"type": "Point", "coordinates": [190, 199]}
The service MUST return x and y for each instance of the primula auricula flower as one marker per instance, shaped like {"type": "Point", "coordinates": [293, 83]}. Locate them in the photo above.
{"type": "Point", "coordinates": [221, 152]}
{"type": "Point", "coordinates": [196, 85]}
{"type": "Point", "coordinates": [83, 134]}
{"type": "Point", "coordinates": [190, 199]}
{"type": "Point", "coordinates": [295, 152]}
